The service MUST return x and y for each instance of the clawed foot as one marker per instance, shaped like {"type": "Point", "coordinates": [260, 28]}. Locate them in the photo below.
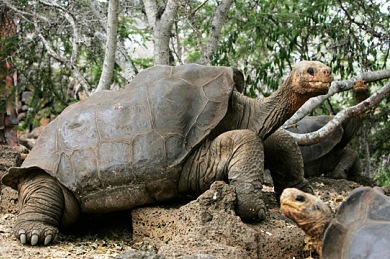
{"type": "Point", "coordinates": [250, 205]}
{"type": "Point", "coordinates": [35, 233]}
{"type": "Point", "coordinates": [337, 174]}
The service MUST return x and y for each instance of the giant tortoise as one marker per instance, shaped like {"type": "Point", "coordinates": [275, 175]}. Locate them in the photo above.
{"type": "Point", "coordinates": [359, 229]}
{"type": "Point", "coordinates": [172, 131]}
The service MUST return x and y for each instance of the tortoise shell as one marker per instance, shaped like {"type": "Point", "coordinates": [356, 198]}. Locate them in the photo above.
{"type": "Point", "coordinates": [361, 227]}
{"type": "Point", "coordinates": [136, 136]}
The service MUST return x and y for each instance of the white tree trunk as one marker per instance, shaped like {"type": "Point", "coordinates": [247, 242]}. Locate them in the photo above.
{"type": "Point", "coordinates": [109, 56]}
{"type": "Point", "coordinates": [128, 70]}
{"type": "Point", "coordinates": [161, 28]}
{"type": "Point", "coordinates": [219, 18]}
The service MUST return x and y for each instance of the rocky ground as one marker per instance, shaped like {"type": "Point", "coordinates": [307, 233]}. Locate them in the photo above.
{"type": "Point", "coordinates": [204, 228]}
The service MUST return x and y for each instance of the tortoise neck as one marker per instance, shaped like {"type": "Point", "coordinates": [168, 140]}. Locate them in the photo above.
{"type": "Point", "coordinates": [263, 116]}
{"type": "Point", "coordinates": [267, 115]}
{"type": "Point", "coordinates": [360, 96]}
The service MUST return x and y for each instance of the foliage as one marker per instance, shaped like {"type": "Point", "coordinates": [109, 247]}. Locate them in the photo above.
{"type": "Point", "coordinates": [379, 142]}
{"type": "Point", "coordinates": [382, 178]}
{"type": "Point", "coordinates": [265, 38]}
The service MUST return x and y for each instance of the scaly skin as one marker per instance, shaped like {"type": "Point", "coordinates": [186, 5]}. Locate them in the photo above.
{"type": "Point", "coordinates": [284, 160]}
{"type": "Point", "coordinates": [224, 159]}
{"type": "Point", "coordinates": [309, 212]}
{"type": "Point", "coordinates": [42, 200]}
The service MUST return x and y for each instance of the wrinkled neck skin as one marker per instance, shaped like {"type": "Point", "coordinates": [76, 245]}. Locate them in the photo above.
{"type": "Point", "coordinates": [361, 96]}
{"type": "Point", "coordinates": [263, 116]}
{"type": "Point", "coordinates": [315, 232]}
{"type": "Point", "coordinates": [352, 124]}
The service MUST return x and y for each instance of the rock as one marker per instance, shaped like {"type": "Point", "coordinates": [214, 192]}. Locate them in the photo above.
{"type": "Point", "coordinates": [137, 254]}
{"type": "Point", "coordinates": [209, 226]}
{"type": "Point", "coordinates": [26, 97]}
{"type": "Point", "coordinates": [9, 157]}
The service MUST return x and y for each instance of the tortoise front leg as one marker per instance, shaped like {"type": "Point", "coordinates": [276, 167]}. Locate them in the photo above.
{"type": "Point", "coordinates": [246, 173]}
{"type": "Point", "coordinates": [235, 157]}
{"type": "Point", "coordinates": [42, 209]}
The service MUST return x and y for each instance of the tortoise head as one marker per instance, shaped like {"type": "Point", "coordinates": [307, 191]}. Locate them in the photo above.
{"type": "Point", "coordinates": [309, 212]}
{"type": "Point", "coordinates": [311, 78]}
{"type": "Point", "coordinates": [360, 91]}
{"type": "Point", "coordinates": [360, 86]}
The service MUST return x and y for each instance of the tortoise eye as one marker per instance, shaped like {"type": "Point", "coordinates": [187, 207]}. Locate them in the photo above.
{"type": "Point", "coordinates": [300, 198]}
{"type": "Point", "coordinates": [310, 71]}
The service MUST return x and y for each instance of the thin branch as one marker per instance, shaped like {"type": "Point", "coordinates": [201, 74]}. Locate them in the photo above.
{"type": "Point", "coordinates": [369, 103]}
{"type": "Point", "coordinates": [34, 15]}
{"type": "Point", "coordinates": [198, 7]}
{"type": "Point", "coordinates": [71, 19]}
{"type": "Point", "coordinates": [195, 28]}
{"type": "Point", "coordinates": [61, 59]}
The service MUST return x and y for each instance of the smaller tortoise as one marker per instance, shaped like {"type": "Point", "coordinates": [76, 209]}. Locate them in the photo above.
{"type": "Point", "coordinates": [359, 229]}
{"type": "Point", "coordinates": [331, 156]}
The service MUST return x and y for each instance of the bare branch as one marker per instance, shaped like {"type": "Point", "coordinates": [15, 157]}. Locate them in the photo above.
{"type": "Point", "coordinates": [76, 35]}
{"type": "Point", "coordinates": [198, 7]}
{"type": "Point", "coordinates": [369, 103]}
{"type": "Point", "coordinates": [194, 26]}
{"type": "Point", "coordinates": [15, 9]}
{"type": "Point", "coordinates": [70, 65]}
{"type": "Point", "coordinates": [336, 87]}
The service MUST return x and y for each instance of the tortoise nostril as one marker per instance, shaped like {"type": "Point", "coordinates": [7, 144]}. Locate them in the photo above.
{"type": "Point", "coordinates": [327, 72]}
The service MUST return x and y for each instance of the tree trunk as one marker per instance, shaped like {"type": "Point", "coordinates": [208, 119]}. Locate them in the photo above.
{"type": "Point", "coordinates": [161, 28]}
{"type": "Point", "coordinates": [109, 56]}
{"type": "Point", "coordinates": [122, 59]}
{"type": "Point", "coordinates": [219, 18]}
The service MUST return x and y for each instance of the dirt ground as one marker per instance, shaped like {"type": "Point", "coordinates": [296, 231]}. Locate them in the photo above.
{"type": "Point", "coordinates": [110, 235]}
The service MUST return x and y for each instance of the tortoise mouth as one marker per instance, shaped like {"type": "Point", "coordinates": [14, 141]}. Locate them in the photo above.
{"type": "Point", "coordinates": [320, 84]}
{"type": "Point", "coordinates": [320, 87]}
{"type": "Point", "coordinates": [360, 89]}
{"type": "Point", "coordinates": [288, 208]}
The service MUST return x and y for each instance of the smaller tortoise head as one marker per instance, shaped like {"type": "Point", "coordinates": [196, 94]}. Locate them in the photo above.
{"type": "Point", "coordinates": [311, 78]}
{"type": "Point", "coordinates": [309, 212]}
{"type": "Point", "coordinates": [360, 86]}
{"type": "Point", "coordinates": [360, 91]}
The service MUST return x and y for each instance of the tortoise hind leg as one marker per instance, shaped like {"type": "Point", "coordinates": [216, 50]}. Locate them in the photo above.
{"type": "Point", "coordinates": [42, 209]}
